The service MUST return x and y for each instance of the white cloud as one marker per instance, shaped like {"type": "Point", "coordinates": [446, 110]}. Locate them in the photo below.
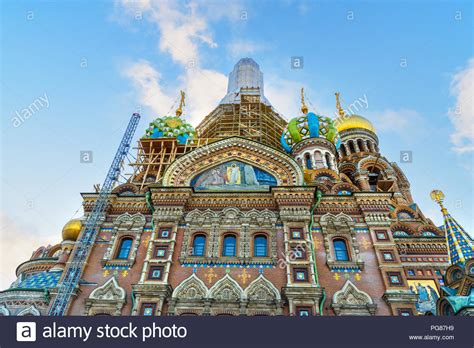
{"type": "Point", "coordinates": [18, 243]}
{"type": "Point", "coordinates": [462, 115]}
{"type": "Point", "coordinates": [182, 30]}
{"type": "Point", "coordinates": [146, 81]}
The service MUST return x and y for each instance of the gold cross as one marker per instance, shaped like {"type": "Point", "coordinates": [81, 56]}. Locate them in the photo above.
{"type": "Point", "coordinates": [357, 276]}
{"type": "Point", "coordinates": [210, 275]}
{"type": "Point", "coordinates": [336, 276]}
{"type": "Point", "coordinates": [125, 273]}
{"type": "Point", "coordinates": [105, 273]}
{"type": "Point", "coordinates": [244, 276]}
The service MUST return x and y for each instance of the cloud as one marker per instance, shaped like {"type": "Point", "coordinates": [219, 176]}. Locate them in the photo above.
{"type": "Point", "coordinates": [183, 30]}
{"type": "Point", "coordinates": [462, 114]}
{"type": "Point", "coordinates": [146, 81]}
{"type": "Point", "coordinates": [14, 252]}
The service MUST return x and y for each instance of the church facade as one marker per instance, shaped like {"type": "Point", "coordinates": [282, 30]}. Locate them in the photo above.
{"type": "Point", "coordinates": [249, 214]}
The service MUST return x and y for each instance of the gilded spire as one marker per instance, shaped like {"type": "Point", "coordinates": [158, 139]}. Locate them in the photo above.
{"type": "Point", "coordinates": [460, 244]}
{"type": "Point", "coordinates": [304, 108]}
{"type": "Point", "coordinates": [179, 110]}
{"type": "Point", "coordinates": [340, 110]}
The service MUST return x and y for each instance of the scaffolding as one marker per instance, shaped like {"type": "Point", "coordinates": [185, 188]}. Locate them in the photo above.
{"type": "Point", "coordinates": [249, 118]}
{"type": "Point", "coordinates": [154, 155]}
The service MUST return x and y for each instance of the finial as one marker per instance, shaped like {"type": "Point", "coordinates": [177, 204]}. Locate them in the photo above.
{"type": "Point", "coordinates": [304, 108]}
{"type": "Point", "coordinates": [179, 110]}
{"type": "Point", "coordinates": [340, 110]}
{"type": "Point", "coordinates": [438, 197]}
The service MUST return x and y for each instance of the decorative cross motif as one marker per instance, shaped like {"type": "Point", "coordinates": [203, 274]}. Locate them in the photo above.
{"type": "Point", "coordinates": [365, 243]}
{"type": "Point", "coordinates": [357, 276]}
{"type": "Point", "coordinates": [317, 244]}
{"type": "Point", "coordinates": [115, 273]}
{"type": "Point", "coordinates": [105, 273]}
{"type": "Point", "coordinates": [210, 275]}
{"type": "Point", "coordinates": [347, 276]}
{"type": "Point", "coordinates": [146, 240]}
{"type": "Point", "coordinates": [244, 276]}
{"type": "Point", "coordinates": [336, 276]}
{"type": "Point", "coordinates": [125, 273]}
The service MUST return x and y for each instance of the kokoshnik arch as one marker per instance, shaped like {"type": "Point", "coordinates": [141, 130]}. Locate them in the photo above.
{"type": "Point", "coordinates": [249, 214]}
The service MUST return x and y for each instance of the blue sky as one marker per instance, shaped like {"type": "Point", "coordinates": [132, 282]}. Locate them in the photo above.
{"type": "Point", "coordinates": [92, 65]}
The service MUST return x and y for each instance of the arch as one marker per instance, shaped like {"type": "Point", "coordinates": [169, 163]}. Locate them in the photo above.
{"type": "Point", "coordinates": [360, 144]}
{"type": "Point", "coordinates": [308, 163]}
{"type": "Point", "coordinates": [192, 288]}
{"type": "Point", "coordinates": [261, 289]}
{"type": "Point", "coordinates": [126, 189]}
{"type": "Point", "coordinates": [351, 146]}
{"type": "Point", "coordinates": [110, 291]}
{"type": "Point", "coordinates": [352, 301]}
{"type": "Point", "coordinates": [371, 161]}
{"type": "Point", "coordinates": [285, 169]}
{"type": "Point", "coordinates": [129, 220]}
{"type": "Point", "coordinates": [226, 289]}
{"type": "Point", "coordinates": [429, 231]}
{"type": "Point", "coordinates": [345, 186]}
{"type": "Point", "coordinates": [260, 245]}
{"type": "Point", "coordinates": [341, 251]}
{"type": "Point", "coordinates": [32, 310]}
{"type": "Point", "coordinates": [401, 227]}
{"type": "Point", "coordinates": [327, 157]}
{"type": "Point", "coordinates": [199, 244]}
{"type": "Point", "coordinates": [229, 244]}
{"type": "Point", "coordinates": [124, 248]}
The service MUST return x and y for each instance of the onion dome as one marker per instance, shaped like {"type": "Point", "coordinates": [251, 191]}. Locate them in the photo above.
{"type": "Point", "coordinates": [352, 122]}
{"type": "Point", "coordinates": [172, 127]}
{"type": "Point", "coordinates": [72, 229]}
{"type": "Point", "coordinates": [307, 126]}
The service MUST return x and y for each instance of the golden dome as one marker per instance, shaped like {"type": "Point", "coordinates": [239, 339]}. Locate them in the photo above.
{"type": "Point", "coordinates": [354, 121]}
{"type": "Point", "coordinates": [72, 229]}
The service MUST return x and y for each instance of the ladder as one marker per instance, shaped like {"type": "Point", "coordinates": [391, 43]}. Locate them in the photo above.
{"type": "Point", "coordinates": [83, 246]}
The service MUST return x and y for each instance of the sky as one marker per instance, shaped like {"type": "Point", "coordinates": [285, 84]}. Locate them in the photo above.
{"type": "Point", "coordinates": [72, 73]}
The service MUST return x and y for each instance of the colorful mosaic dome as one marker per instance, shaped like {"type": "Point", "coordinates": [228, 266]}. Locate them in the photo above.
{"type": "Point", "coordinates": [41, 280]}
{"type": "Point", "coordinates": [170, 127]}
{"type": "Point", "coordinates": [309, 126]}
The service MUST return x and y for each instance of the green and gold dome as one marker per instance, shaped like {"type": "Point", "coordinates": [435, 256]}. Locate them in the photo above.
{"type": "Point", "coordinates": [171, 127]}
{"type": "Point", "coordinates": [309, 125]}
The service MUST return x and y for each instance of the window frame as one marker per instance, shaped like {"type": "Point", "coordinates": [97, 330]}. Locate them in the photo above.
{"type": "Point", "coordinates": [304, 308]}
{"type": "Point", "coordinates": [236, 247]}
{"type": "Point", "coordinates": [383, 232]}
{"type": "Point", "coordinates": [160, 247]}
{"type": "Point", "coordinates": [153, 268]}
{"type": "Point", "coordinates": [409, 311]}
{"type": "Point", "coordinates": [145, 306]}
{"type": "Point", "coordinates": [343, 240]}
{"type": "Point", "coordinates": [383, 252]}
{"type": "Point", "coordinates": [255, 236]}
{"type": "Point", "coordinates": [119, 247]}
{"type": "Point", "coordinates": [163, 229]}
{"type": "Point", "coordinates": [193, 239]}
{"type": "Point", "coordinates": [399, 275]}
{"type": "Point", "coordinates": [297, 229]}
{"type": "Point", "coordinates": [297, 270]}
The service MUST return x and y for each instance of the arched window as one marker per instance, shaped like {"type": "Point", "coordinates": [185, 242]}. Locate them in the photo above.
{"type": "Point", "coordinates": [351, 146]}
{"type": "Point", "coordinates": [360, 144]}
{"type": "Point", "coordinates": [328, 160]}
{"type": "Point", "coordinates": [124, 248]}
{"type": "Point", "coordinates": [229, 247]}
{"type": "Point", "coordinates": [340, 250]}
{"type": "Point", "coordinates": [260, 246]}
{"type": "Point", "coordinates": [369, 145]}
{"type": "Point", "coordinates": [307, 160]}
{"type": "Point", "coordinates": [199, 245]}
